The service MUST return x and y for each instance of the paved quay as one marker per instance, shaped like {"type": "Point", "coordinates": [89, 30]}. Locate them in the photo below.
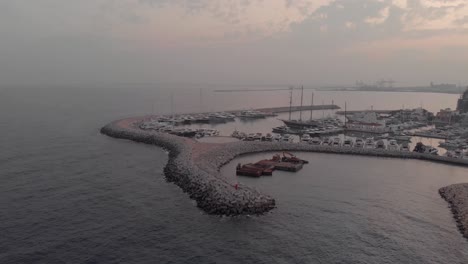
{"type": "Point", "coordinates": [195, 166]}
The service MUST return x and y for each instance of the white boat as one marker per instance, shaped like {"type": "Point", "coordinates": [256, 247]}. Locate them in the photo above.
{"type": "Point", "coordinates": [315, 141]}
{"type": "Point", "coordinates": [456, 154]}
{"type": "Point", "coordinates": [326, 141]}
{"type": "Point", "coordinates": [359, 143]}
{"type": "Point", "coordinates": [349, 142]}
{"type": "Point", "coordinates": [402, 137]}
{"type": "Point", "coordinates": [405, 147]}
{"type": "Point", "coordinates": [380, 144]}
{"type": "Point", "coordinates": [236, 134]}
{"type": "Point", "coordinates": [268, 137]}
{"type": "Point", "coordinates": [277, 137]}
{"type": "Point", "coordinates": [305, 138]}
{"type": "Point", "coordinates": [257, 137]}
{"type": "Point", "coordinates": [369, 143]}
{"type": "Point", "coordinates": [287, 138]}
{"type": "Point", "coordinates": [336, 142]}
{"type": "Point", "coordinates": [250, 137]}
{"type": "Point", "coordinates": [393, 145]}
{"type": "Point", "coordinates": [431, 150]}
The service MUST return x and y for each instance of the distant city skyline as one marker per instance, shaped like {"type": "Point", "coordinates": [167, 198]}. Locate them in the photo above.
{"type": "Point", "coordinates": [322, 42]}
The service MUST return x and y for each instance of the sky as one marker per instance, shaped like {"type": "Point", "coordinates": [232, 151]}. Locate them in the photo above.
{"type": "Point", "coordinates": [243, 42]}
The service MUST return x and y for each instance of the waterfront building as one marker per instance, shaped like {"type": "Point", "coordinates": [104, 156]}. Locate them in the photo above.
{"type": "Point", "coordinates": [462, 105]}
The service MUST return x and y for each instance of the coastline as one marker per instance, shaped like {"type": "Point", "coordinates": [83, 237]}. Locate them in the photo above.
{"type": "Point", "coordinates": [194, 167]}
{"type": "Point", "coordinates": [456, 196]}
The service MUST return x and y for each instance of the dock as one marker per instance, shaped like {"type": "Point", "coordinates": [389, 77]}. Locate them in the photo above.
{"type": "Point", "coordinates": [364, 111]}
{"type": "Point", "coordinates": [266, 167]}
{"type": "Point", "coordinates": [285, 109]}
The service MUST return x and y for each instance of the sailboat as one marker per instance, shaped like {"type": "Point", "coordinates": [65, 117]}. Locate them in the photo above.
{"type": "Point", "coordinates": [301, 123]}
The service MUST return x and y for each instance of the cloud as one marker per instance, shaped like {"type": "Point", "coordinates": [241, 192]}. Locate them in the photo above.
{"type": "Point", "coordinates": [435, 15]}
{"type": "Point", "coordinates": [380, 18]}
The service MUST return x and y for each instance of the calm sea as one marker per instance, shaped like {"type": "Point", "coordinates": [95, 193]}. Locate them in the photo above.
{"type": "Point", "coordinates": [71, 195]}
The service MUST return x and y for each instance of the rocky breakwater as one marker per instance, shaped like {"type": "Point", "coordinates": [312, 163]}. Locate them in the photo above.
{"type": "Point", "coordinates": [457, 197]}
{"type": "Point", "coordinates": [193, 167]}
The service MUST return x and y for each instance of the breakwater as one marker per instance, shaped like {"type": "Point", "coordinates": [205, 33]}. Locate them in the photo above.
{"type": "Point", "coordinates": [194, 166]}
{"type": "Point", "coordinates": [457, 197]}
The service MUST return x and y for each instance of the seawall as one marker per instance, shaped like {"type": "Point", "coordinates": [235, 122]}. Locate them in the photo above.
{"type": "Point", "coordinates": [457, 197]}
{"type": "Point", "coordinates": [194, 166]}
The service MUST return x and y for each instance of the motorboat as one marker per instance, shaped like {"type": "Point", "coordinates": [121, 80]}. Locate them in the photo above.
{"type": "Point", "coordinates": [281, 130]}
{"type": "Point", "coordinates": [277, 137]}
{"type": "Point", "coordinates": [305, 138]}
{"type": "Point", "coordinates": [359, 143]}
{"type": "Point", "coordinates": [348, 142]}
{"type": "Point", "coordinates": [257, 137]}
{"type": "Point", "coordinates": [250, 137]}
{"type": "Point", "coordinates": [393, 145]}
{"type": "Point", "coordinates": [405, 147]}
{"type": "Point", "coordinates": [315, 141]}
{"type": "Point", "coordinates": [336, 142]}
{"type": "Point", "coordinates": [236, 134]}
{"type": "Point", "coordinates": [326, 141]}
{"type": "Point", "coordinates": [369, 143]}
{"type": "Point", "coordinates": [380, 144]}
{"type": "Point", "coordinates": [268, 137]}
{"type": "Point", "coordinates": [287, 138]}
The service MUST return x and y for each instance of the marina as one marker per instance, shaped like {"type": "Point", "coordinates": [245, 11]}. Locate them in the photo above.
{"type": "Point", "coordinates": [397, 137]}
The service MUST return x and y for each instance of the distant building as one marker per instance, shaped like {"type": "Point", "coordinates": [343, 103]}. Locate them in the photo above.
{"type": "Point", "coordinates": [462, 105]}
{"type": "Point", "coordinates": [443, 85]}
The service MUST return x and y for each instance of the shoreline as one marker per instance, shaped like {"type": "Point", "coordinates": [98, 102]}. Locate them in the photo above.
{"type": "Point", "coordinates": [195, 167]}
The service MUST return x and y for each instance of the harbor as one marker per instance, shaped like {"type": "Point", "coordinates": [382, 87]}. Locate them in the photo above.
{"type": "Point", "coordinates": [194, 164]}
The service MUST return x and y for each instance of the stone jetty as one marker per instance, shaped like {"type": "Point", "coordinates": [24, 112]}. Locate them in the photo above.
{"type": "Point", "coordinates": [195, 166]}
{"type": "Point", "coordinates": [457, 197]}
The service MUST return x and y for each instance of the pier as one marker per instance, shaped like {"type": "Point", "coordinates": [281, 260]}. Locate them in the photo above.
{"type": "Point", "coordinates": [286, 109]}
{"type": "Point", "coordinates": [363, 111]}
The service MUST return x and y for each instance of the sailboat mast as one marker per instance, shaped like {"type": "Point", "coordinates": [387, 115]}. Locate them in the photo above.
{"type": "Point", "coordinates": [172, 104]}
{"type": "Point", "coordinates": [290, 102]}
{"type": "Point", "coordinates": [302, 99]}
{"type": "Point", "coordinates": [312, 107]}
{"type": "Point", "coordinates": [201, 101]}
{"type": "Point", "coordinates": [345, 116]}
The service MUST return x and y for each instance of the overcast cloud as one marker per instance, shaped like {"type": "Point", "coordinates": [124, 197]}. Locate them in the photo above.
{"type": "Point", "coordinates": [239, 42]}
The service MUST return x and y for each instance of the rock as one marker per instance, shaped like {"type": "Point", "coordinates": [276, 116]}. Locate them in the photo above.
{"type": "Point", "coordinates": [457, 197]}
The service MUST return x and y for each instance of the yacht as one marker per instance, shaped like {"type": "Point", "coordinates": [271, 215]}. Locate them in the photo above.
{"type": "Point", "coordinates": [268, 137]}
{"type": "Point", "coordinates": [359, 143]}
{"type": "Point", "coordinates": [250, 137]}
{"type": "Point", "coordinates": [431, 150]}
{"type": "Point", "coordinates": [349, 142]}
{"type": "Point", "coordinates": [236, 134]}
{"type": "Point", "coordinates": [305, 138]}
{"type": "Point", "coordinates": [336, 142]}
{"type": "Point", "coordinates": [281, 130]}
{"type": "Point", "coordinates": [287, 138]}
{"type": "Point", "coordinates": [315, 141]}
{"type": "Point", "coordinates": [393, 145]}
{"type": "Point", "coordinates": [326, 141]}
{"type": "Point", "coordinates": [380, 144]}
{"type": "Point", "coordinates": [405, 147]}
{"type": "Point", "coordinates": [277, 137]}
{"type": "Point", "coordinates": [369, 143]}
{"type": "Point", "coordinates": [257, 137]}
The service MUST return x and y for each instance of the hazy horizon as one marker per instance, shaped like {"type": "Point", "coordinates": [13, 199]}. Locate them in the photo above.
{"type": "Point", "coordinates": [249, 42]}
